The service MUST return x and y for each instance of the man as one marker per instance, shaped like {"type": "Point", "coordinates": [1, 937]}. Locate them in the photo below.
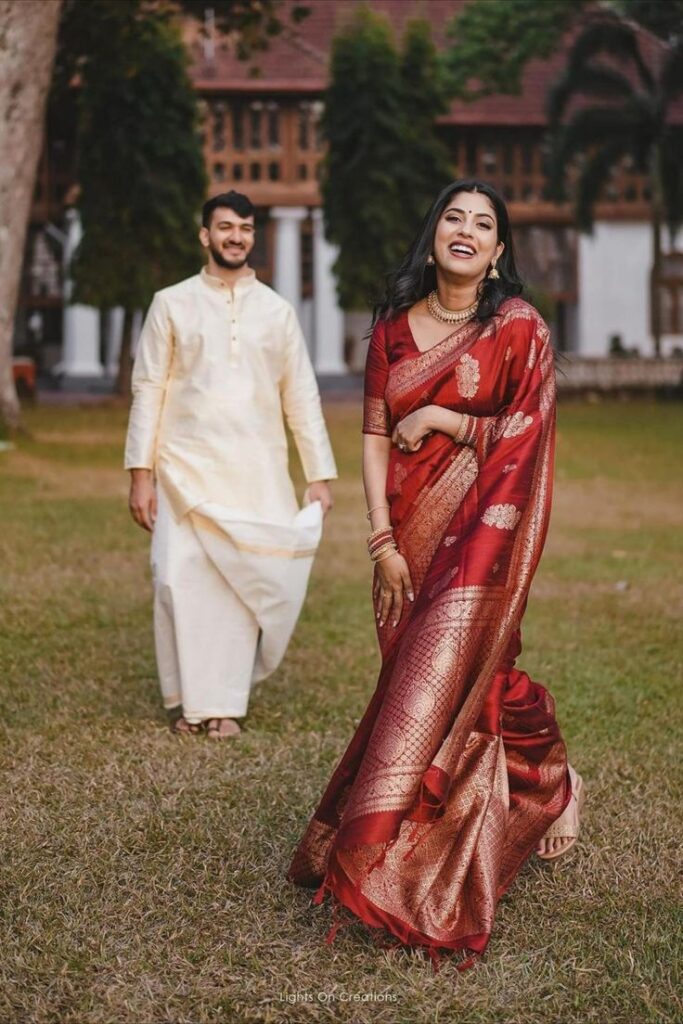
{"type": "Point", "coordinates": [221, 358]}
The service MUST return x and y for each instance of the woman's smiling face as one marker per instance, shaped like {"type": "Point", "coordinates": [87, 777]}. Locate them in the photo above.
{"type": "Point", "coordinates": [466, 236]}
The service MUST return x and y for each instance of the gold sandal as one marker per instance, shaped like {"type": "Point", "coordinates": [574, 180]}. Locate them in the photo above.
{"type": "Point", "coordinates": [568, 823]}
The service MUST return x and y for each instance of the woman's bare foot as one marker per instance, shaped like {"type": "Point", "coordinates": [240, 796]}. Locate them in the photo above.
{"type": "Point", "coordinates": [562, 834]}
{"type": "Point", "coordinates": [222, 728]}
{"type": "Point", "coordinates": [181, 727]}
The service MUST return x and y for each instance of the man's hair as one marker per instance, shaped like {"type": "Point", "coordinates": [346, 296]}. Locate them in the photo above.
{"type": "Point", "coordinates": [232, 200]}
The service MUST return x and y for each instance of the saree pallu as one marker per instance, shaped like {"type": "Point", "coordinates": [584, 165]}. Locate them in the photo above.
{"type": "Point", "coordinates": [457, 767]}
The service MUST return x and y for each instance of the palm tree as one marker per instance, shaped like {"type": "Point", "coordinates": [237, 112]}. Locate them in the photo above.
{"type": "Point", "coordinates": [623, 117]}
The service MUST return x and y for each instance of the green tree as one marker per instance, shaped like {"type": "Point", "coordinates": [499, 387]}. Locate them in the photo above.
{"type": "Point", "coordinates": [663, 17]}
{"type": "Point", "coordinates": [492, 41]}
{"type": "Point", "coordinates": [140, 166]}
{"type": "Point", "coordinates": [252, 23]}
{"type": "Point", "coordinates": [426, 166]}
{"type": "Point", "coordinates": [28, 39]}
{"type": "Point", "coordinates": [623, 116]}
{"type": "Point", "coordinates": [384, 161]}
{"type": "Point", "coordinates": [28, 45]}
{"type": "Point", "coordinates": [361, 123]}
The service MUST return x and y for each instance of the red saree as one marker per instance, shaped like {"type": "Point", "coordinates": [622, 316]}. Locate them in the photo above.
{"type": "Point", "coordinates": [457, 767]}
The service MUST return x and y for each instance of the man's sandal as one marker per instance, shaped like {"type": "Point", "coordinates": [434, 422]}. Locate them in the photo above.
{"type": "Point", "coordinates": [181, 727]}
{"type": "Point", "coordinates": [222, 728]}
{"type": "Point", "coordinates": [567, 825]}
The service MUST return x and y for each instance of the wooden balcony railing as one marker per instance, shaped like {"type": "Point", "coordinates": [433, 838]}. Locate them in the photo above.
{"type": "Point", "coordinates": [272, 150]}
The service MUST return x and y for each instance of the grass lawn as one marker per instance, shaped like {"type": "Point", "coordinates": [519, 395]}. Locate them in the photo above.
{"type": "Point", "coordinates": [142, 875]}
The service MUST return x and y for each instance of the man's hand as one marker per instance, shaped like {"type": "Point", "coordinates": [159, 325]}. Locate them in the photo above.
{"type": "Point", "coordinates": [143, 498]}
{"type": "Point", "coordinates": [320, 491]}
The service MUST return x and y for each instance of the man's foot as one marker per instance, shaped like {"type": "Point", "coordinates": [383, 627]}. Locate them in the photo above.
{"type": "Point", "coordinates": [222, 728]}
{"type": "Point", "coordinates": [181, 727]}
{"type": "Point", "coordinates": [563, 833]}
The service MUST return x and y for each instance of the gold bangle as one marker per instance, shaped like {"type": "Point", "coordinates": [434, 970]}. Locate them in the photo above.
{"type": "Point", "coordinates": [382, 546]}
{"type": "Point", "coordinates": [382, 558]}
{"type": "Point", "coordinates": [463, 429]}
{"type": "Point", "coordinates": [381, 529]}
{"type": "Point", "coordinates": [374, 509]}
{"type": "Point", "coordinates": [389, 546]}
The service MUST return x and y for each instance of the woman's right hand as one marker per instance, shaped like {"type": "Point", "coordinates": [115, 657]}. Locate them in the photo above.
{"type": "Point", "coordinates": [392, 586]}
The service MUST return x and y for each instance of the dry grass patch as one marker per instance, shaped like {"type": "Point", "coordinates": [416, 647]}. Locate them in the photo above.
{"type": "Point", "coordinates": [143, 875]}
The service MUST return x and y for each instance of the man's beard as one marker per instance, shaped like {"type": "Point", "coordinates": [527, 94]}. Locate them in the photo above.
{"type": "Point", "coordinates": [220, 259]}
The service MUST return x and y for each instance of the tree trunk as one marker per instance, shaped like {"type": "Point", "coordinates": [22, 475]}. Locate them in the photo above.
{"type": "Point", "coordinates": [126, 356]}
{"type": "Point", "coordinates": [655, 297]}
{"type": "Point", "coordinates": [28, 40]}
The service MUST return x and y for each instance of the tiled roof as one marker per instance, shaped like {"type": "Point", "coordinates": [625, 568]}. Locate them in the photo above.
{"type": "Point", "coordinates": [297, 61]}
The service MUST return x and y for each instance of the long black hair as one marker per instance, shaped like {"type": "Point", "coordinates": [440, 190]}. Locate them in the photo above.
{"type": "Point", "coordinates": [415, 278]}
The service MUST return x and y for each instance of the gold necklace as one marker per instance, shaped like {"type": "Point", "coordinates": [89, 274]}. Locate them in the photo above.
{"type": "Point", "coordinates": [449, 316]}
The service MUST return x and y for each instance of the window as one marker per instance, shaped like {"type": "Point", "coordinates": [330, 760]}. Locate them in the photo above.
{"type": "Point", "coordinates": [671, 293]}
{"type": "Point", "coordinates": [274, 171]}
{"type": "Point", "coordinates": [255, 172]}
{"type": "Point", "coordinates": [237, 172]}
{"type": "Point", "coordinates": [317, 108]}
{"type": "Point", "coordinates": [255, 126]}
{"type": "Point", "coordinates": [218, 127]}
{"type": "Point", "coordinates": [612, 191]}
{"type": "Point", "coordinates": [273, 125]}
{"type": "Point", "coordinates": [304, 126]}
{"type": "Point", "coordinates": [488, 160]}
{"type": "Point", "coordinates": [237, 126]}
{"type": "Point", "coordinates": [204, 117]}
{"type": "Point", "coordinates": [546, 258]}
{"type": "Point", "coordinates": [219, 172]}
{"type": "Point", "coordinates": [471, 157]}
{"type": "Point", "coordinates": [303, 172]}
{"type": "Point", "coordinates": [259, 256]}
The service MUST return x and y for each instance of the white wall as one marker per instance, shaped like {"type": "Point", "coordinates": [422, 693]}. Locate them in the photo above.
{"type": "Point", "coordinates": [306, 321]}
{"type": "Point", "coordinates": [613, 285]}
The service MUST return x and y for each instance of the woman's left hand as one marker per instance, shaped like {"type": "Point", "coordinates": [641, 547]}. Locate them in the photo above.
{"type": "Point", "coordinates": [412, 430]}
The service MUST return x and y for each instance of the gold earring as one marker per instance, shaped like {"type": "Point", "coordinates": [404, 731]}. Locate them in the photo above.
{"type": "Point", "coordinates": [493, 273]}
{"type": "Point", "coordinates": [430, 260]}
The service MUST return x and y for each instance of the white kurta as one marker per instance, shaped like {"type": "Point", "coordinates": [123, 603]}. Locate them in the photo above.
{"type": "Point", "coordinates": [217, 372]}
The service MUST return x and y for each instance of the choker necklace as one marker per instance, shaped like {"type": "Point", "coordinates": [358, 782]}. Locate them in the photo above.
{"type": "Point", "coordinates": [449, 316]}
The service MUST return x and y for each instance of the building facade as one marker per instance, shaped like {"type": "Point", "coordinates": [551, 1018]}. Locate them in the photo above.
{"type": "Point", "coordinates": [261, 135]}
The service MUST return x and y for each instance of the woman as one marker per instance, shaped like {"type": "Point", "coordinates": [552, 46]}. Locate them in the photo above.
{"type": "Point", "coordinates": [457, 770]}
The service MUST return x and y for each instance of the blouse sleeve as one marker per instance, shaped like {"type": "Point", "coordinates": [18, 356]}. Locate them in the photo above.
{"type": "Point", "coordinates": [376, 418]}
